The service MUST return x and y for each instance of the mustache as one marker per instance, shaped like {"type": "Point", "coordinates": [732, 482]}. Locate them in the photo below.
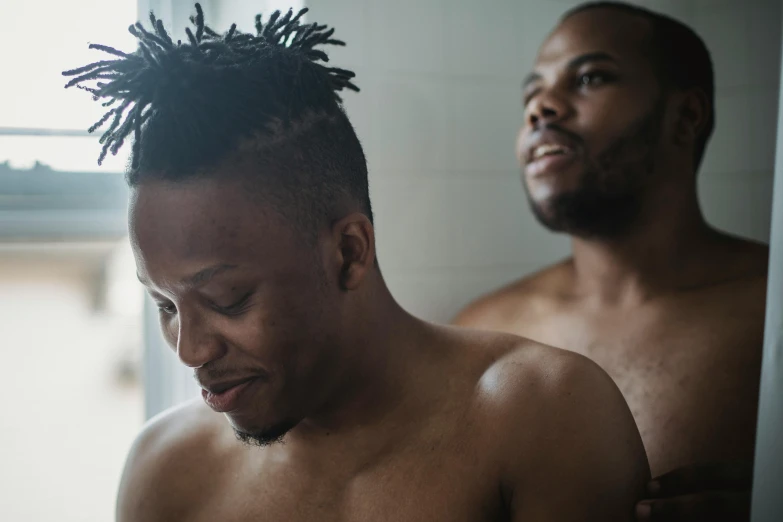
{"type": "Point", "coordinates": [554, 128]}
{"type": "Point", "coordinates": [205, 374]}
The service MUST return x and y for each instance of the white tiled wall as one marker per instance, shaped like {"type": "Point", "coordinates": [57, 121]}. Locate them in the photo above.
{"type": "Point", "coordinates": [440, 107]}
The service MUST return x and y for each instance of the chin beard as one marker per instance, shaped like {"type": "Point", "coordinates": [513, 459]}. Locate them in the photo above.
{"type": "Point", "coordinates": [588, 213]}
{"type": "Point", "coordinates": [609, 199]}
{"type": "Point", "coordinates": [267, 436]}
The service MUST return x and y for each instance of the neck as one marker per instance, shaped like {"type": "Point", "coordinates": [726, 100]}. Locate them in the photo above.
{"type": "Point", "coordinates": [665, 250]}
{"type": "Point", "coordinates": [374, 374]}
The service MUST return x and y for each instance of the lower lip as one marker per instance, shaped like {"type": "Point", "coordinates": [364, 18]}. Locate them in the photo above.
{"type": "Point", "coordinates": [227, 400]}
{"type": "Point", "coordinates": [550, 164]}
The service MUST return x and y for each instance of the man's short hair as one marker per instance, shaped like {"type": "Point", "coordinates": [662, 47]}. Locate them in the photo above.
{"type": "Point", "coordinates": [679, 56]}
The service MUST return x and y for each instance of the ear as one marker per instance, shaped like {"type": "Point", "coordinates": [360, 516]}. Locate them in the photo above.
{"type": "Point", "coordinates": [355, 237]}
{"type": "Point", "coordinates": [693, 114]}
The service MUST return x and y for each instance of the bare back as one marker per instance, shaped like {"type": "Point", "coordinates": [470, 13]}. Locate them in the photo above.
{"type": "Point", "coordinates": [687, 362]}
{"type": "Point", "coordinates": [502, 429]}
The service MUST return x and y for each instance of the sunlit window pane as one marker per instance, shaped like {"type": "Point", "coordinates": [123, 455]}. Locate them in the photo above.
{"type": "Point", "coordinates": [64, 153]}
{"type": "Point", "coordinates": [40, 39]}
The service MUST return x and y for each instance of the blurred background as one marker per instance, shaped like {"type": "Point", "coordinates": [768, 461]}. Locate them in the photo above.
{"type": "Point", "coordinates": [438, 114]}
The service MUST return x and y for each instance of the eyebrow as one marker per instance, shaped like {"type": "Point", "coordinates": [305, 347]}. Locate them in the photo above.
{"type": "Point", "coordinates": [205, 275]}
{"type": "Point", "coordinates": [575, 63]}
{"type": "Point", "coordinates": [200, 277]}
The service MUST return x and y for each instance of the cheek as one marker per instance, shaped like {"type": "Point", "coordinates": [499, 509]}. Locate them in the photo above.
{"type": "Point", "coordinates": [273, 334]}
{"type": "Point", "coordinates": [169, 327]}
{"type": "Point", "coordinates": [608, 117]}
{"type": "Point", "coordinates": [284, 320]}
{"type": "Point", "coordinates": [601, 121]}
{"type": "Point", "coordinates": [254, 333]}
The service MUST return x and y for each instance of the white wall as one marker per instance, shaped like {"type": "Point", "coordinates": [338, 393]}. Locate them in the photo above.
{"type": "Point", "coordinates": [440, 108]}
{"type": "Point", "coordinates": [736, 179]}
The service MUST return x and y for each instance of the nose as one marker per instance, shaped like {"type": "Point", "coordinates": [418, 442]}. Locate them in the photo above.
{"type": "Point", "coordinates": [548, 107]}
{"type": "Point", "coordinates": [197, 343]}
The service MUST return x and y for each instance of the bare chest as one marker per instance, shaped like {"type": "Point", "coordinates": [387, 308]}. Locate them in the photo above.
{"type": "Point", "coordinates": [423, 485]}
{"type": "Point", "coordinates": [690, 381]}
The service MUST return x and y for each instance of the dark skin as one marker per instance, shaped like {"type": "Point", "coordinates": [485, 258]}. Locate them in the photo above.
{"type": "Point", "coordinates": [391, 418]}
{"type": "Point", "coordinates": [671, 308]}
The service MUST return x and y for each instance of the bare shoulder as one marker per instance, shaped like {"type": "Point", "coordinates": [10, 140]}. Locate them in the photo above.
{"type": "Point", "coordinates": [526, 381]}
{"type": "Point", "coordinates": [565, 435]}
{"type": "Point", "coordinates": [734, 284]}
{"type": "Point", "coordinates": [525, 298]}
{"type": "Point", "coordinates": [529, 378]}
{"type": "Point", "coordinates": [740, 262]}
{"type": "Point", "coordinates": [166, 463]}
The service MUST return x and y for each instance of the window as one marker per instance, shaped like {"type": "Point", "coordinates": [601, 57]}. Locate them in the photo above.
{"type": "Point", "coordinates": [39, 119]}
{"type": "Point", "coordinates": [87, 364]}
{"type": "Point", "coordinates": [71, 310]}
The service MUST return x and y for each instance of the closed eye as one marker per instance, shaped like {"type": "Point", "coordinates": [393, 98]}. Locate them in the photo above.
{"type": "Point", "coordinates": [235, 308]}
{"type": "Point", "coordinates": [167, 308]}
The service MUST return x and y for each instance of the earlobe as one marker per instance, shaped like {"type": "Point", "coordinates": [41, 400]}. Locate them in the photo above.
{"type": "Point", "coordinates": [692, 117]}
{"type": "Point", "coordinates": [686, 132]}
{"type": "Point", "coordinates": [356, 239]}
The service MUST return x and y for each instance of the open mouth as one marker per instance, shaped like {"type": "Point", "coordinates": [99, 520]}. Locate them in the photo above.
{"type": "Point", "coordinates": [549, 158]}
{"type": "Point", "coordinates": [542, 151]}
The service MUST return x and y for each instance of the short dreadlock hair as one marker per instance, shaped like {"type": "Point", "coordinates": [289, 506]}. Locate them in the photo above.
{"type": "Point", "coordinates": [193, 106]}
{"type": "Point", "coordinates": [679, 55]}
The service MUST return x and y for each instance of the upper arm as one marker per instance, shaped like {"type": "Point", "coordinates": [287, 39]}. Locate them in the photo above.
{"type": "Point", "coordinates": [139, 496]}
{"type": "Point", "coordinates": [584, 460]}
{"type": "Point", "coordinates": [157, 473]}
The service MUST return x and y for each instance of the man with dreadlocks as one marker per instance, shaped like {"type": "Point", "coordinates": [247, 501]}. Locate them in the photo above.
{"type": "Point", "coordinates": [251, 226]}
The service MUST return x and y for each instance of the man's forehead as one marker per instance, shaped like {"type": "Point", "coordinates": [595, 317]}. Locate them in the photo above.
{"type": "Point", "coordinates": [185, 233]}
{"type": "Point", "coordinates": [599, 30]}
{"type": "Point", "coordinates": [197, 219]}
